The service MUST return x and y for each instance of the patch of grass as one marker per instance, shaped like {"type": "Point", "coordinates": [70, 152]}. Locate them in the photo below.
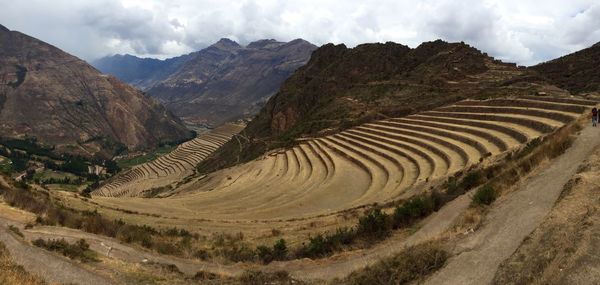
{"type": "Point", "coordinates": [11, 273]}
{"type": "Point", "coordinates": [79, 250]}
{"type": "Point", "coordinates": [410, 265]}
{"type": "Point", "coordinates": [252, 277]}
{"type": "Point", "coordinates": [130, 162]}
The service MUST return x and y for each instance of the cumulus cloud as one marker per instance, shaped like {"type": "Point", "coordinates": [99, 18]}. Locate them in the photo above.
{"type": "Point", "coordinates": [520, 31]}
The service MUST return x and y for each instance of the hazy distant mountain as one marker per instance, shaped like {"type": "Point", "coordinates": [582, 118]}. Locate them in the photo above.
{"type": "Point", "coordinates": [227, 81]}
{"type": "Point", "coordinates": [142, 73]}
{"type": "Point", "coordinates": [222, 82]}
{"type": "Point", "coordinates": [62, 101]}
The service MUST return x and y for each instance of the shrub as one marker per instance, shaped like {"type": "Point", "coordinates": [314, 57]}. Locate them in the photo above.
{"type": "Point", "coordinates": [79, 250]}
{"type": "Point", "coordinates": [408, 266]}
{"type": "Point", "coordinates": [204, 275]}
{"type": "Point", "coordinates": [485, 195]}
{"type": "Point", "coordinates": [471, 180]}
{"type": "Point", "coordinates": [414, 209]}
{"type": "Point", "coordinates": [373, 225]}
{"type": "Point", "coordinates": [280, 250]}
{"type": "Point", "coordinates": [251, 277]}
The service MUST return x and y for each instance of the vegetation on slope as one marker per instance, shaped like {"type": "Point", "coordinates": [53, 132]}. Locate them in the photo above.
{"type": "Point", "coordinates": [340, 88]}
{"type": "Point", "coordinates": [576, 72]}
{"type": "Point", "coordinates": [12, 273]}
{"type": "Point", "coordinates": [564, 248]}
{"type": "Point", "coordinates": [412, 264]}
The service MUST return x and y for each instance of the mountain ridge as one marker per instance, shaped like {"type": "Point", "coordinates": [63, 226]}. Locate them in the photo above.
{"type": "Point", "coordinates": [62, 101]}
{"type": "Point", "coordinates": [342, 87]}
{"type": "Point", "coordinates": [576, 72]}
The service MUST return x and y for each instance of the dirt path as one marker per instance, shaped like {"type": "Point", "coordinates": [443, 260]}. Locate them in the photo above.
{"type": "Point", "coordinates": [514, 217]}
{"type": "Point", "coordinates": [52, 268]}
{"type": "Point", "coordinates": [342, 265]}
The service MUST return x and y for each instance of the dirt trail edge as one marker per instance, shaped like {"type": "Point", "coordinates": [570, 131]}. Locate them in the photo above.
{"type": "Point", "coordinates": [514, 217]}
{"type": "Point", "coordinates": [50, 267]}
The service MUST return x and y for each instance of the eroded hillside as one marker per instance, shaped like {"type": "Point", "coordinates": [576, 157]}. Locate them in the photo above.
{"type": "Point", "coordinates": [62, 101]}
{"type": "Point", "coordinates": [576, 72]}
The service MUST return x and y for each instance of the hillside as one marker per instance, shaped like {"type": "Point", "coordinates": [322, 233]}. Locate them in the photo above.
{"type": "Point", "coordinates": [227, 81]}
{"type": "Point", "coordinates": [576, 72]}
{"type": "Point", "coordinates": [64, 102]}
{"type": "Point", "coordinates": [142, 73]}
{"type": "Point", "coordinates": [342, 87]}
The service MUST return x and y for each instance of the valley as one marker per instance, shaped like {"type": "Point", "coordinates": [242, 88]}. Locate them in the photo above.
{"type": "Point", "coordinates": [279, 162]}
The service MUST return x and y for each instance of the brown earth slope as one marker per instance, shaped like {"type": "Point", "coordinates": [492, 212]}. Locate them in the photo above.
{"type": "Point", "coordinates": [227, 81]}
{"type": "Point", "coordinates": [62, 101]}
{"type": "Point", "coordinates": [342, 87]}
{"type": "Point", "coordinates": [565, 248]}
{"type": "Point", "coordinates": [577, 72]}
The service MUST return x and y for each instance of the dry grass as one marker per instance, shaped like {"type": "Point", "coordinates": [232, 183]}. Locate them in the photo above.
{"type": "Point", "coordinates": [11, 273]}
{"type": "Point", "coordinates": [412, 264]}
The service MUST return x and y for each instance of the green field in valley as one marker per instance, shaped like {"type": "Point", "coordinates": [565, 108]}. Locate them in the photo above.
{"type": "Point", "coordinates": [133, 161]}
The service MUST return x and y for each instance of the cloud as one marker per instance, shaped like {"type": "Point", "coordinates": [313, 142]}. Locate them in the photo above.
{"type": "Point", "coordinates": [521, 31]}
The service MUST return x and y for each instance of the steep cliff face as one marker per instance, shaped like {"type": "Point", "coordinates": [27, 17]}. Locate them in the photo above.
{"type": "Point", "coordinates": [341, 87]}
{"type": "Point", "coordinates": [577, 72]}
{"type": "Point", "coordinates": [227, 81]}
{"type": "Point", "coordinates": [62, 101]}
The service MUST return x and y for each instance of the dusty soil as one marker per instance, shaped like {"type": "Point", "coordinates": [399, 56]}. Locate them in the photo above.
{"type": "Point", "coordinates": [565, 248]}
{"type": "Point", "coordinates": [513, 218]}
{"type": "Point", "coordinates": [51, 267]}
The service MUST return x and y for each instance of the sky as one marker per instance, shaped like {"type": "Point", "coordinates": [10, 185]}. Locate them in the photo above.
{"type": "Point", "coordinates": [521, 31]}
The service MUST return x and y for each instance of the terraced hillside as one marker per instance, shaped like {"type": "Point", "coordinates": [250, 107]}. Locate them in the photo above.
{"type": "Point", "coordinates": [371, 163]}
{"type": "Point", "coordinates": [169, 168]}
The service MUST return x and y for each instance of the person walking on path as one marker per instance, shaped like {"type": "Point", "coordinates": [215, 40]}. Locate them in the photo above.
{"type": "Point", "coordinates": [594, 117]}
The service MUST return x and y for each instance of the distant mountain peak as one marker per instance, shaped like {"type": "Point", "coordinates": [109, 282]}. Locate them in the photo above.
{"type": "Point", "coordinates": [262, 43]}
{"type": "Point", "coordinates": [225, 43]}
{"type": "Point", "coordinates": [4, 29]}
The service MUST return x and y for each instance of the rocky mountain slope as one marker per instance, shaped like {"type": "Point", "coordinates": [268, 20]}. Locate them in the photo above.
{"type": "Point", "coordinates": [227, 81]}
{"type": "Point", "coordinates": [62, 101]}
{"type": "Point", "coordinates": [342, 87]}
{"type": "Point", "coordinates": [577, 72]}
{"type": "Point", "coordinates": [142, 73]}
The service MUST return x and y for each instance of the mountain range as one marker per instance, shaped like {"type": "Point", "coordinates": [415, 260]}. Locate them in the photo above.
{"type": "Point", "coordinates": [223, 82]}
{"type": "Point", "coordinates": [342, 87]}
{"type": "Point", "coordinates": [64, 102]}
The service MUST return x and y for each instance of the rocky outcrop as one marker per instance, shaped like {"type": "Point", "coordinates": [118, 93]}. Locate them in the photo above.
{"type": "Point", "coordinates": [62, 101]}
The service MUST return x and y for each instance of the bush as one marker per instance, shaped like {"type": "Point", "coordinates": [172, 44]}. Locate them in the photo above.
{"type": "Point", "coordinates": [251, 277]}
{"type": "Point", "coordinates": [413, 209]}
{"type": "Point", "coordinates": [471, 180]}
{"type": "Point", "coordinates": [278, 252]}
{"type": "Point", "coordinates": [373, 225]}
{"type": "Point", "coordinates": [79, 250]}
{"type": "Point", "coordinates": [408, 266]}
{"type": "Point", "coordinates": [485, 195]}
